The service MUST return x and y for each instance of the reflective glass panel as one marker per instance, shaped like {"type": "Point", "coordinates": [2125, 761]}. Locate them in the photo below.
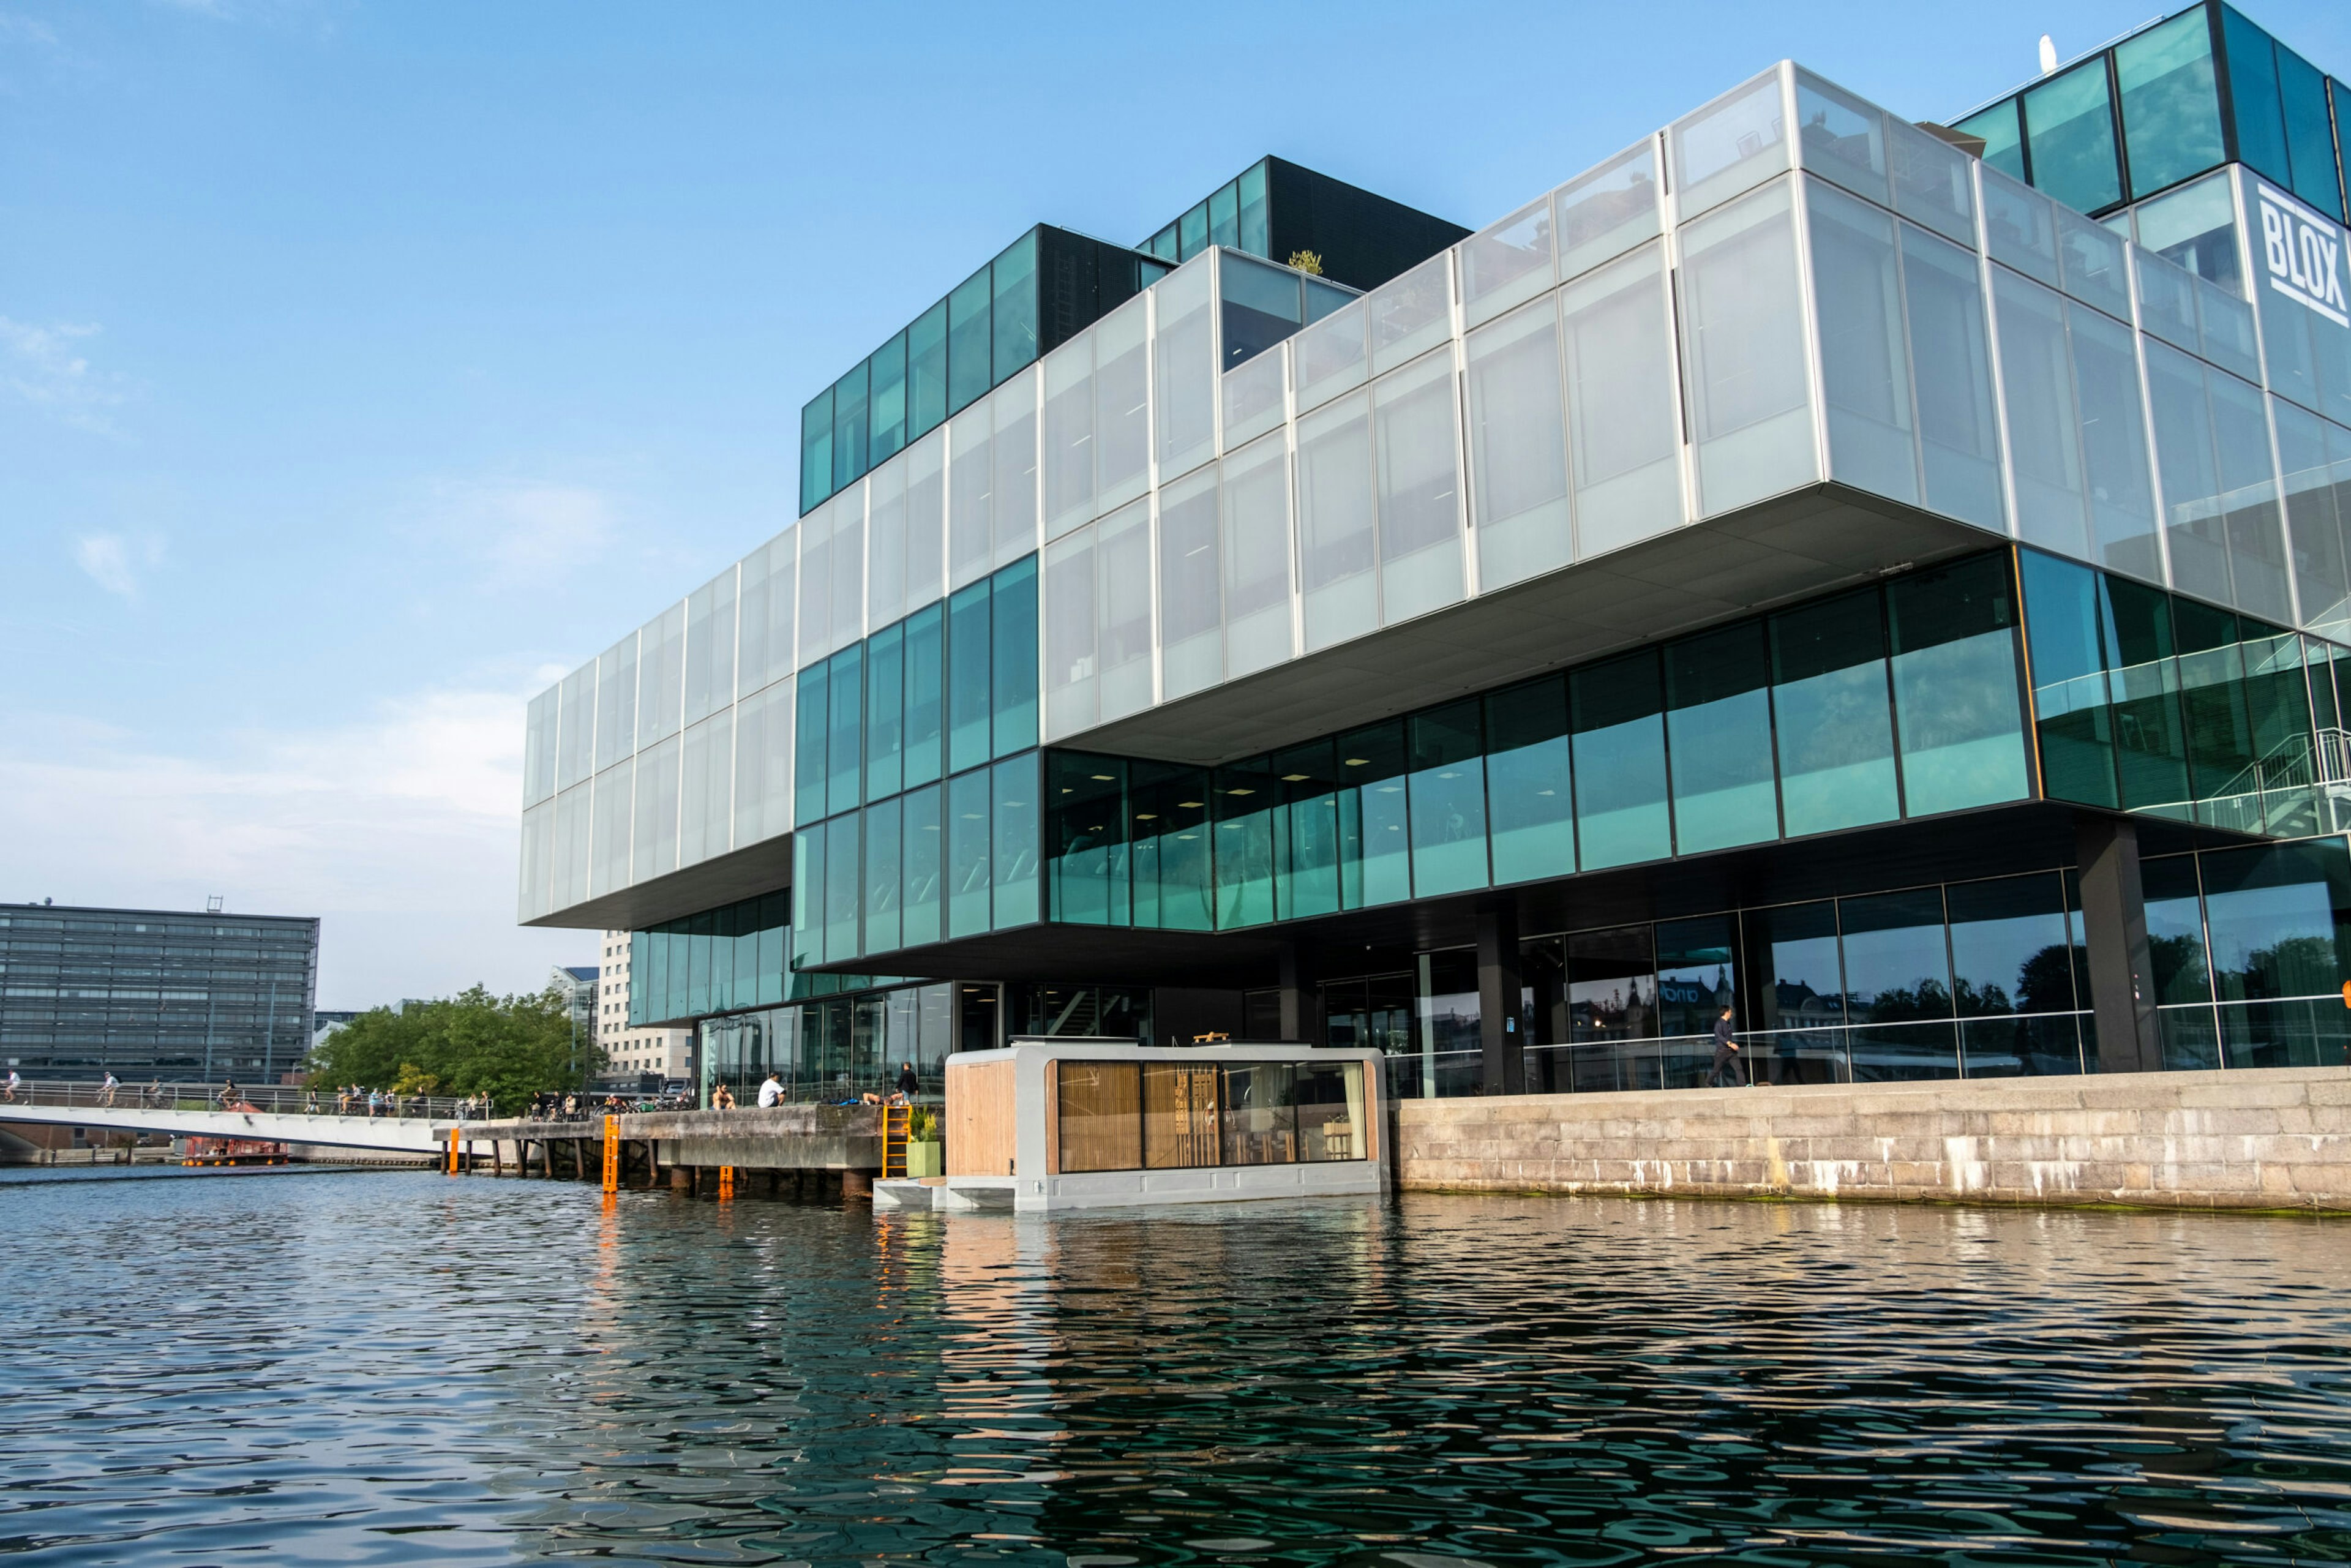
{"type": "Point", "coordinates": [1518, 451]}
{"type": "Point", "coordinates": [1624, 428]}
{"type": "Point", "coordinates": [2069, 126]}
{"type": "Point", "coordinates": [925, 656]}
{"type": "Point", "coordinates": [1835, 731]}
{"type": "Point", "coordinates": [968, 685]}
{"type": "Point", "coordinates": [925, 862]}
{"type": "Point", "coordinates": [2042, 426]}
{"type": "Point", "coordinates": [1865, 364]}
{"type": "Point", "coordinates": [1607, 212]}
{"type": "Point", "coordinates": [1955, 687]}
{"type": "Point", "coordinates": [1943, 300]}
{"type": "Point", "coordinates": [1737, 142]}
{"type": "Point", "coordinates": [1619, 747]}
{"type": "Point", "coordinates": [1530, 806]}
{"type": "Point", "coordinates": [1374, 864]}
{"type": "Point", "coordinates": [1191, 609]}
{"type": "Point", "coordinates": [1016, 837]}
{"type": "Point", "coordinates": [1013, 658]}
{"type": "Point", "coordinates": [1256, 541]}
{"type": "Point", "coordinates": [969, 371]}
{"type": "Point", "coordinates": [1417, 483]}
{"type": "Point", "coordinates": [1719, 731]}
{"type": "Point", "coordinates": [968, 809]}
{"type": "Point", "coordinates": [2171, 107]}
{"type": "Point", "coordinates": [1448, 794]}
{"type": "Point", "coordinates": [927, 370]}
{"type": "Point", "coordinates": [1743, 339]}
{"type": "Point", "coordinates": [1336, 549]}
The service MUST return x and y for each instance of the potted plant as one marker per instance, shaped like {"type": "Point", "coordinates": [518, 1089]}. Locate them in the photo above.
{"type": "Point", "coordinates": [926, 1155]}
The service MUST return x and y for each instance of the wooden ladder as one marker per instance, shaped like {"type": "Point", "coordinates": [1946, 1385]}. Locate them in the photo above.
{"type": "Point", "coordinates": [895, 1120]}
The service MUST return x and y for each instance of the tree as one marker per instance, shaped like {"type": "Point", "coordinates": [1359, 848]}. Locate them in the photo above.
{"type": "Point", "coordinates": [507, 1047]}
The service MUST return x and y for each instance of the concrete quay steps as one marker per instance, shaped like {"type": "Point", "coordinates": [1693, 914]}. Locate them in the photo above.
{"type": "Point", "coordinates": [2259, 1138]}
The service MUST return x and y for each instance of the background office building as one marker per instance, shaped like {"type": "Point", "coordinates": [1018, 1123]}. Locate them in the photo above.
{"type": "Point", "coordinates": [148, 993]}
{"type": "Point", "coordinates": [633, 1051]}
{"type": "Point", "coordinates": [1795, 564]}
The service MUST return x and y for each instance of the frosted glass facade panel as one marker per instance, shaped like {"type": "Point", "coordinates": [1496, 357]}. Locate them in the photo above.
{"type": "Point", "coordinates": [538, 736]}
{"type": "Point", "coordinates": [1411, 314]}
{"type": "Point", "coordinates": [2090, 264]}
{"type": "Point", "coordinates": [1942, 289]}
{"type": "Point", "coordinates": [1183, 370]}
{"type": "Point", "coordinates": [1517, 446]}
{"type": "Point", "coordinates": [2037, 383]}
{"type": "Point", "coordinates": [613, 812]}
{"type": "Point", "coordinates": [575, 726]}
{"type": "Point", "coordinates": [2224, 331]}
{"type": "Point", "coordinates": [1330, 357]}
{"type": "Point", "coordinates": [1254, 393]}
{"type": "Point", "coordinates": [885, 544]}
{"type": "Point", "coordinates": [1733, 144]}
{"type": "Point", "coordinates": [661, 675]}
{"type": "Point", "coordinates": [815, 596]}
{"type": "Point", "coordinates": [570, 849]}
{"type": "Point", "coordinates": [1336, 545]}
{"type": "Point", "coordinates": [1015, 473]}
{"type": "Point", "coordinates": [2166, 298]}
{"type": "Point", "coordinates": [1932, 183]}
{"type": "Point", "coordinates": [2256, 541]}
{"type": "Point", "coordinates": [2314, 491]}
{"type": "Point", "coordinates": [2194, 532]}
{"type": "Point", "coordinates": [1843, 138]}
{"type": "Point", "coordinates": [1257, 552]}
{"type": "Point", "coordinates": [1418, 469]}
{"type": "Point", "coordinates": [1073, 665]}
{"type": "Point", "coordinates": [707, 793]}
{"type": "Point", "coordinates": [971, 511]}
{"type": "Point", "coordinates": [2114, 444]}
{"type": "Point", "coordinates": [1864, 365]}
{"type": "Point", "coordinates": [1123, 604]}
{"type": "Point", "coordinates": [926, 500]}
{"type": "Point", "coordinates": [1604, 214]}
{"type": "Point", "coordinates": [1069, 437]}
{"type": "Point", "coordinates": [847, 593]}
{"type": "Point", "coordinates": [537, 894]}
{"type": "Point", "coordinates": [654, 837]}
{"type": "Point", "coordinates": [765, 612]}
{"type": "Point", "coordinates": [1507, 264]}
{"type": "Point", "coordinates": [1623, 427]}
{"type": "Point", "coordinates": [1744, 353]}
{"type": "Point", "coordinates": [1191, 596]}
{"type": "Point", "coordinates": [616, 701]}
{"type": "Point", "coordinates": [2020, 225]}
{"type": "Point", "coordinates": [763, 765]}
{"type": "Point", "coordinates": [1121, 406]}
{"type": "Point", "coordinates": [709, 649]}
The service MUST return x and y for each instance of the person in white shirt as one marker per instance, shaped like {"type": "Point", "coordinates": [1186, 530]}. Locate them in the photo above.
{"type": "Point", "coordinates": [770, 1092]}
{"type": "Point", "coordinates": [8, 1090]}
{"type": "Point", "coordinates": [107, 1088]}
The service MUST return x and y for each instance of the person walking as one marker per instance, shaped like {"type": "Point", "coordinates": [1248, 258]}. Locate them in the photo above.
{"type": "Point", "coordinates": [908, 1084]}
{"type": "Point", "coordinates": [375, 1103]}
{"type": "Point", "coordinates": [1726, 1055]}
{"type": "Point", "coordinates": [771, 1093]}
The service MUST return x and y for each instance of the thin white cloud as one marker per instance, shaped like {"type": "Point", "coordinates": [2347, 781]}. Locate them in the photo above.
{"type": "Point", "coordinates": [403, 823]}
{"type": "Point", "coordinates": [522, 530]}
{"type": "Point", "coordinates": [25, 28]}
{"type": "Point", "coordinates": [44, 366]}
{"type": "Point", "coordinates": [115, 562]}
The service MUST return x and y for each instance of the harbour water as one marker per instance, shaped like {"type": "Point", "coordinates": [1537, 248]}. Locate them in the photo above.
{"type": "Point", "coordinates": [402, 1367]}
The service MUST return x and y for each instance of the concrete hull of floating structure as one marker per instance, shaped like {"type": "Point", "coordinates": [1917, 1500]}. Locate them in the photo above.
{"type": "Point", "coordinates": [780, 1138]}
{"type": "Point", "coordinates": [1022, 1136]}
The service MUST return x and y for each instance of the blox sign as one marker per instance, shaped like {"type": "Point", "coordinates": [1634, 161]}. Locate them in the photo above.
{"type": "Point", "coordinates": [2304, 253]}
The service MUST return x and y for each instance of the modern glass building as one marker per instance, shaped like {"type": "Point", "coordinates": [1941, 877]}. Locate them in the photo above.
{"type": "Point", "coordinates": [1795, 564]}
{"type": "Point", "coordinates": [147, 993]}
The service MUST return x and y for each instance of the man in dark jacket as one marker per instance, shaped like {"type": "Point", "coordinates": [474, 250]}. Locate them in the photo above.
{"type": "Point", "coordinates": [1726, 1054]}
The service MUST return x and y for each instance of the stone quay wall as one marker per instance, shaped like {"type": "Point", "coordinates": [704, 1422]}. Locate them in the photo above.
{"type": "Point", "coordinates": [2274, 1138]}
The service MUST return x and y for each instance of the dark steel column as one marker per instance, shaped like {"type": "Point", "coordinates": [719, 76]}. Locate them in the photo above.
{"type": "Point", "coordinates": [1498, 1001]}
{"type": "Point", "coordinates": [2114, 927]}
{"type": "Point", "coordinates": [1301, 998]}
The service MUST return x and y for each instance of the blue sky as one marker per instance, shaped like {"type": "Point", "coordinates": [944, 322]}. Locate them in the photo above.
{"type": "Point", "coordinates": [365, 366]}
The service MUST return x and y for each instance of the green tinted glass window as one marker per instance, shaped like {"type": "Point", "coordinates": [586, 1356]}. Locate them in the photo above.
{"type": "Point", "coordinates": [1374, 848]}
{"type": "Point", "coordinates": [812, 722]}
{"type": "Point", "coordinates": [1256, 218]}
{"type": "Point", "coordinates": [1086, 838]}
{"type": "Point", "coordinates": [808, 897]}
{"type": "Point", "coordinates": [1718, 729]}
{"type": "Point", "coordinates": [2069, 125]}
{"type": "Point", "coordinates": [1244, 808]}
{"type": "Point", "coordinates": [1956, 699]}
{"type": "Point", "coordinates": [1224, 216]}
{"type": "Point", "coordinates": [1447, 795]}
{"type": "Point", "coordinates": [1835, 727]}
{"type": "Point", "coordinates": [969, 690]}
{"type": "Point", "coordinates": [2309, 132]}
{"type": "Point", "coordinates": [886, 400]}
{"type": "Point", "coordinates": [2003, 142]}
{"type": "Point", "coordinates": [848, 428]}
{"type": "Point", "coordinates": [2151, 747]}
{"type": "Point", "coordinates": [840, 888]}
{"type": "Point", "coordinates": [1617, 710]}
{"type": "Point", "coordinates": [925, 658]}
{"type": "Point", "coordinates": [2213, 698]}
{"type": "Point", "coordinates": [1016, 836]}
{"type": "Point", "coordinates": [1168, 818]}
{"type": "Point", "coordinates": [1306, 844]}
{"type": "Point", "coordinates": [1192, 232]}
{"type": "Point", "coordinates": [970, 368]}
{"type": "Point", "coordinates": [2253, 95]}
{"type": "Point", "coordinates": [884, 873]}
{"type": "Point", "coordinates": [2171, 102]}
{"type": "Point", "coordinates": [1530, 806]}
{"type": "Point", "coordinates": [970, 810]}
{"type": "Point", "coordinates": [927, 371]}
{"type": "Point", "coordinates": [1013, 661]}
{"type": "Point", "coordinates": [885, 712]}
{"type": "Point", "coordinates": [924, 849]}
{"type": "Point", "coordinates": [2064, 625]}
{"type": "Point", "coordinates": [1016, 320]}
{"type": "Point", "coordinates": [816, 449]}
{"type": "Point", "coordinates": [845, 740]}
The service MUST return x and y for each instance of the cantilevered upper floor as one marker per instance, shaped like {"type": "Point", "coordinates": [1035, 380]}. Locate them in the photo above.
{"type": "Point", "coordinates": [1788, 345]}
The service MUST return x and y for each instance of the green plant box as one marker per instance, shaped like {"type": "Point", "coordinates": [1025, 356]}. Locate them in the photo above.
{"type": "Point", "coordinates": [926, 1159]}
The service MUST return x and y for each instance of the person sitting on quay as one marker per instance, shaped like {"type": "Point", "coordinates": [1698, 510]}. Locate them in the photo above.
{"type": "Point", "coordinates": [720, 1100]}
{"type": "Point", "coordinates": [771, 1093]}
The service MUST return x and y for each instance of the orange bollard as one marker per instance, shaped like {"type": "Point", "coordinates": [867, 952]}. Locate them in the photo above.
{"type": "Point", "coordinates": [725, 1183]}
{"type": "Point", "coordinates": [612, 1153]}
{"type": "Point", "coordinates": [452, 1169]}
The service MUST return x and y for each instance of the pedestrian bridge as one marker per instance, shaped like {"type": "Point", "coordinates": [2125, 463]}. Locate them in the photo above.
{"type": "Point", "coordinates": [277, 1115]}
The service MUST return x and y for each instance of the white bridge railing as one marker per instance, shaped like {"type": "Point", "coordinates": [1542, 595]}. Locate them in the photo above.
{"type": "Point", "coordinates": [279, 1099]}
